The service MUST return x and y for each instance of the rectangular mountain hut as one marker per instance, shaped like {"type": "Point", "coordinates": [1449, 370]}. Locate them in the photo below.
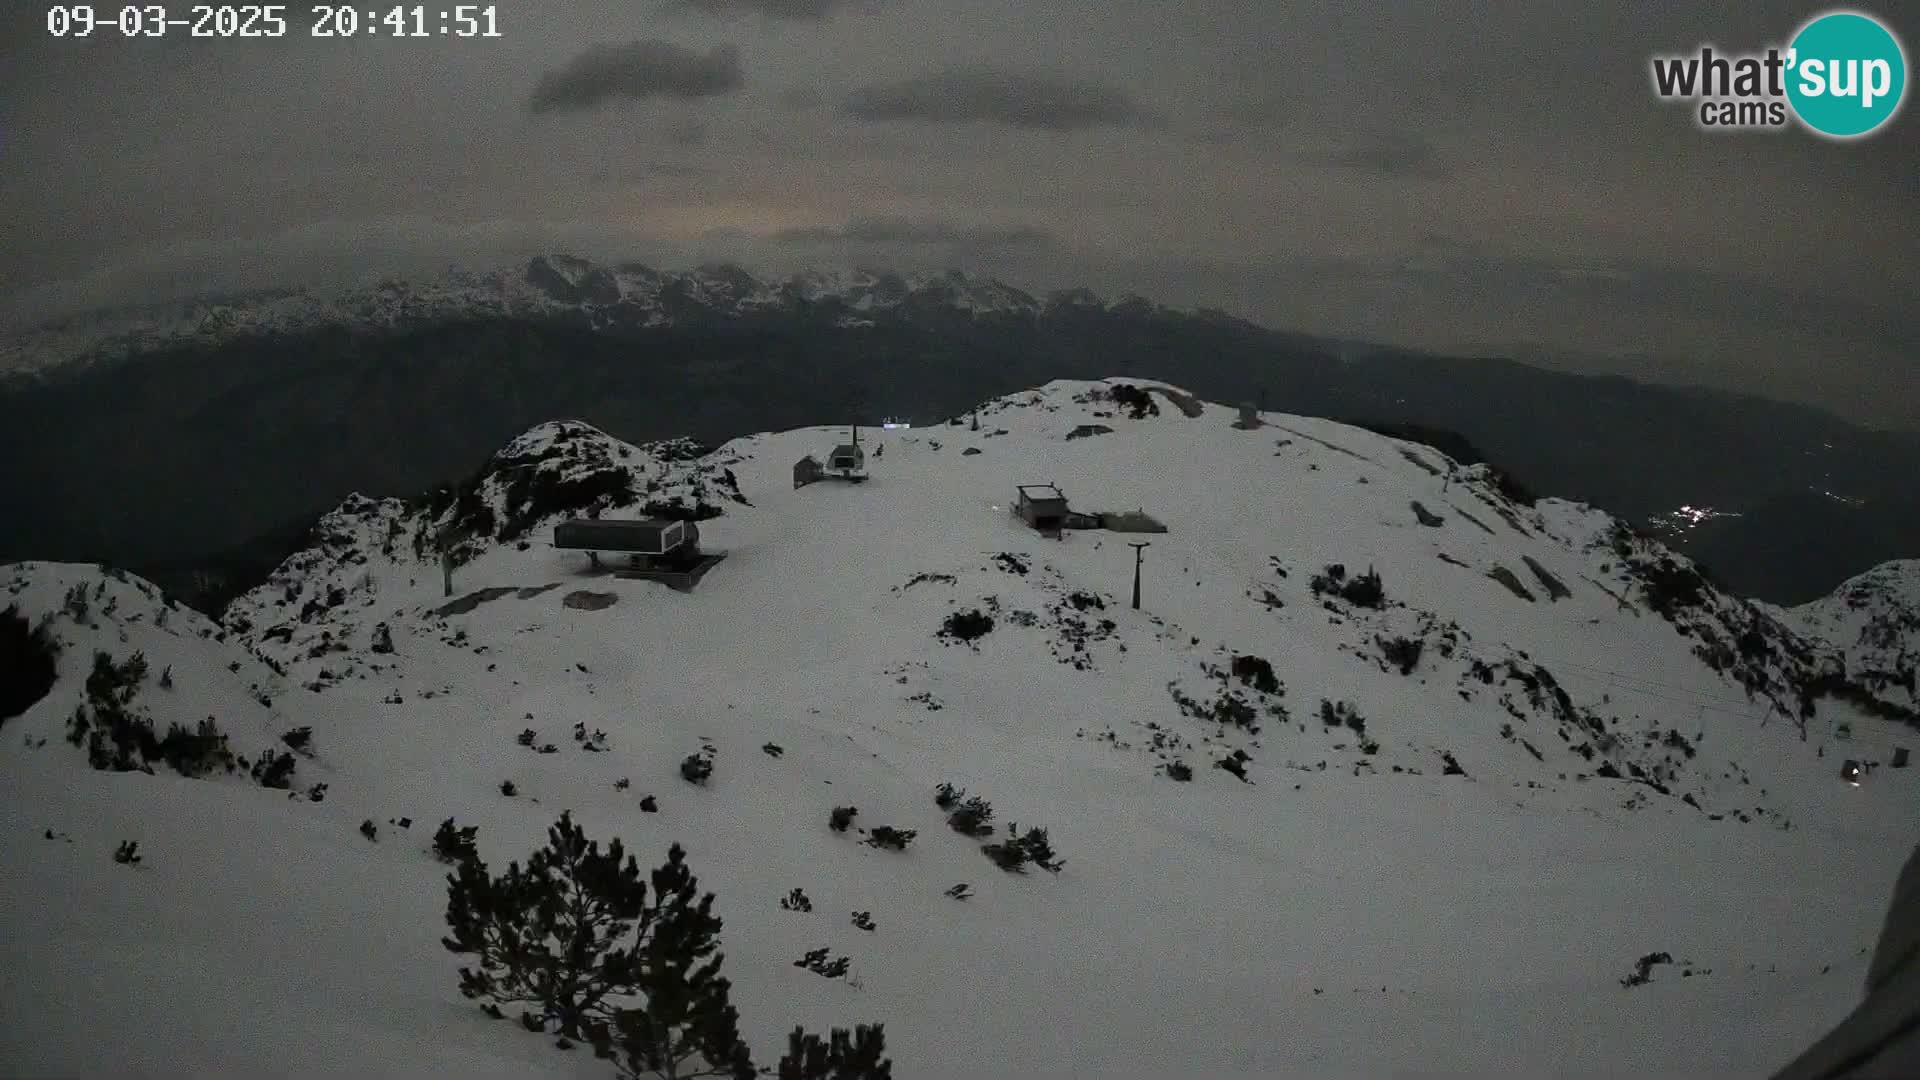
{"type": "Point", "coordinates": [1042, 506]}
{"type": "Point", "coordinates": [649, 541]}
{"type": "Point", "coordinates": [848, 459]}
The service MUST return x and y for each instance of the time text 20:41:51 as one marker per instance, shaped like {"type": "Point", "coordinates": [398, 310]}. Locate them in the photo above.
{"type": "Point", "coordinates": [273, 20]}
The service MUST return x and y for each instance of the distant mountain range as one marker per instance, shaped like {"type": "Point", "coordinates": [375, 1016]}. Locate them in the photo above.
{"type": "Point", "coordinates": [627, 296]}
{"type": "Point", "coordinates": [204, 438]}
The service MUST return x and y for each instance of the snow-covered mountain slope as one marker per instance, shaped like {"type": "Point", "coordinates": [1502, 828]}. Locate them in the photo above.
{"type": "Point", "coordinates": [1874, 619]}
{"type": "Point", "coordinates": [628, 294]}
{"type": "Point", "coordinates": [1432, 833]}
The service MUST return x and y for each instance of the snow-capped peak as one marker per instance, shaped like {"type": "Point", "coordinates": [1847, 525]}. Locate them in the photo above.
{"type": "Point", "coordinates": [626, 294]}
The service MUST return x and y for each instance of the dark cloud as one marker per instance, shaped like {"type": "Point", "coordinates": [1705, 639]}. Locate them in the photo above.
{"type": "Point", "coordinates": [994, 96]}
{"type": "Point", "coordinates": [908, 232]}
{"type": "Point", "coordinates": [802, 97]}
{"type": "Point", "coordinates": [641, 69]}
{"type": "Point", "coordinates": [1295, 192]}
{"type": "Point", "coordinates": [1399, 154]}
{"type": "Point", "coordinates": [776, 9]}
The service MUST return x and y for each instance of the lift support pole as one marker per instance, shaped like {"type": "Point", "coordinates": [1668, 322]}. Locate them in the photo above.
{"type": "Point", "coordinates": [1138, 554]}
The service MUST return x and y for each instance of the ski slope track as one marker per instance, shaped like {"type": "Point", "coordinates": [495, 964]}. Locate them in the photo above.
{"type": "Point", "coordinates": [1592, 755]}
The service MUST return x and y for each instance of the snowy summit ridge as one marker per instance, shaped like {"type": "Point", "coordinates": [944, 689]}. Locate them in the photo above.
{"type": "Point", "coordinates": [1391, 758]}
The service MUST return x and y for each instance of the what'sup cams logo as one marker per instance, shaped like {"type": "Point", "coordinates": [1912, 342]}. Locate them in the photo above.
{"type": "Point", "coordinates": [1843, 76]}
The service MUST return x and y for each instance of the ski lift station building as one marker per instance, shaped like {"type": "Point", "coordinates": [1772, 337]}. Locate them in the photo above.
{"type": "Point", "coordinates": [648, 538]}
{"type": "Point", "coordinates": [1042, 506]}
{"type": "Point", "coordinates": [848, 457]}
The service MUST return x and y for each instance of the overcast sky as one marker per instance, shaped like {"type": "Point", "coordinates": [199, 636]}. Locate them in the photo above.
{"type": "Point", "coordinates": [1463, 176]}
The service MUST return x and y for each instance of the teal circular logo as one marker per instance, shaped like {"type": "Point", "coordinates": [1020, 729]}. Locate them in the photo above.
{"type": "Point", "coordinates": [1846, 74]}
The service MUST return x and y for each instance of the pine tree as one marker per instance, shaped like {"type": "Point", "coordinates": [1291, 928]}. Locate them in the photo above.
{"type": "Point", "coordinates": [844, 1056]}
{"type": "Point", "coordinates": [453, 844]}
{"type": "Point", "coordinates": [973, 817]}
{"type": "Point", "coordinates": [1039, 850]}
{"type": "Point", "coordinates": [550, 935]}
{"type": "Point", "coordinates": [687, 1027]}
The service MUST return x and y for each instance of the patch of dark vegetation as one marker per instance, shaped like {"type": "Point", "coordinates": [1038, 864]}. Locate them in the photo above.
{"type": "Point", "coordinates": [200, 752]}
{"type": "Point", "coordinates": [1668, 587]}
{"type": "Point", "coordinates": [1643, 969]}
{"type": "Point", "coordinates": [1011, 563]}
{"type": "Point", "coordinates": [1008, 856]}
{"type": "Point", "coordinates": [696, 768]}
{"type": "Point", "coordinates": [1084, 601]}
{"type": "Point", "coordinates": [966, 626]}
{"type": "Point", "coordinates": [119, 737]}
{"type": "Point", "coordinates": [796, 900]}
{"type": "Point", "coordinates": [1342, 715]}
{"type": "Point", "coordinates": [128, 853]}
{"type": "Point", "coordinates": [856, 1055]}
{"type": "Point", "coordinates": [452, 844]}
{"type": "Point", "coordinates": [822, 963]}
{"type": "Point", "coordinates": [916, 579]}
{"type": "Point", "coordinates": [678, 509]}
{"type": "Point", "coordinates": [274, 770]}
{"type": "Point", "coordinates": [1363, 590]}
{"type": "Point", "coordinates": [1226, 708]}
{"type": "Point", "coordinates": [1755, 648]}
{"type": "Point", "coordinates": [1138, 403]}
{"type": "Point", "coordinates": [299, 740]}
{"type": "Point", "coordinates": [584, 946]}
{"type": "Point", "coordinates": [1085, 430]}
{"type": "Point", "coordinates": [972, 817]}
{"type": "Point", "coordinates": [537, 486]}
{"type": "Point", "coordinates": [1236, 763]}
{"type": "Point", "coordinates": [1019, 849]}
{"type": "Point", "coordinates": [1401, 652]}
{"type": "Point", "coordinates": [841, 818]}
{"type": "Point", "coordinates": [886, 836]}
{"type": "Point", "coordinates": [1179, 770]}
{"type": "Point", "coordinates": [1255, 672]}
{"type": "Point", "coordinates": [1836, 684]}
{"type": "Point", "coordinates": [29, 663]}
